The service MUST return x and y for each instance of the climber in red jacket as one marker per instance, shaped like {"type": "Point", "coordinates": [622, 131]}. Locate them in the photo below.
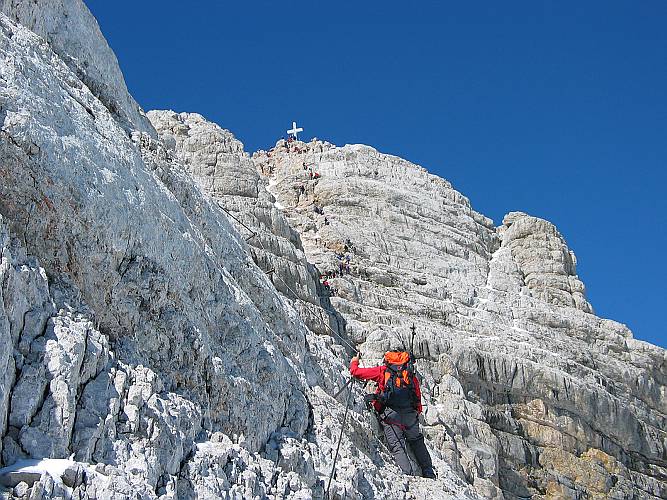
{"type": "Point", "coordinates": [397, 401]}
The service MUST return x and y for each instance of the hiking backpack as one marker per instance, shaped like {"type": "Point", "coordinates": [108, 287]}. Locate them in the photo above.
{"type": "Point", "coordinates": [399, 386]}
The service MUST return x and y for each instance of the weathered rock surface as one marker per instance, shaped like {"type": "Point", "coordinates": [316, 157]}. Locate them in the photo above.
{"type": "Point", "coordinates": [529, 392]}
{"type": "Point", "coordinates": [73, 33]}
{"type": "Point", "coordinates": [164, 332]}
{"type": "Point", "coordinates": [138, 336]}
{"type": "Point", "coordinates": [216, 160]}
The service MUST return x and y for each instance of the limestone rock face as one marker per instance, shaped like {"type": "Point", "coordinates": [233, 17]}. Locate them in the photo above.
{"type": "Point", "coordinates": [216, 160]}
{"type": "Point", "coordinates": [164, 332]}
{"type": "Point", "coordinates": [546, 265]}
{"type": "Point", "coordinates": [73, 33]}
{"type": "Point", "coordinates": [140, 341]}
{"type": "Point", "coordinates": [528, 393]}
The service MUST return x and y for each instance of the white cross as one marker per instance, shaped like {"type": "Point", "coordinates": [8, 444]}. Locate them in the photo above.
{"type": "Point", "coordinates": [295, 131]}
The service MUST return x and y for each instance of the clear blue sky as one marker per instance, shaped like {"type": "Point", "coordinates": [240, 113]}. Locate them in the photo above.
{"type": "Point", "coordinates": [558, 109]}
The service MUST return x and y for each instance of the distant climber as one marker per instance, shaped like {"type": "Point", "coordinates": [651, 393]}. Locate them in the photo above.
{"type": "Point", "coordinates": [397, 402]}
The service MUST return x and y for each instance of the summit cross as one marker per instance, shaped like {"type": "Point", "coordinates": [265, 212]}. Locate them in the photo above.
{"type": "Point", "coordinates": [295, 131]}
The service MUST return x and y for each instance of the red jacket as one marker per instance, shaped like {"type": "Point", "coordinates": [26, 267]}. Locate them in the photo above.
{"type": "Point", "coordinates": [376, 374]}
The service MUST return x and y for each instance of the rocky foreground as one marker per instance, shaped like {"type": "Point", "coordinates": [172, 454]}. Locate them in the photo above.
{"type": "Point", "coordinates": [165, 329]}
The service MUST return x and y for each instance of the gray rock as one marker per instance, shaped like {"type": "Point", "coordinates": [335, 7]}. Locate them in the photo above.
{"type": "Point", "coordinates": [163, 332]}
{"type": "Point", "coordinates": [73, 34]}
{"type": "Point", "coordinates": [216, 160]}
{"type": "Point", "coordinates": [73, 476]}
{"type": "Point", "coordinates": [45, 488]}
{"type": "Point", "coordinates": [14, 478]}
{"type": "Point", "coordinates": [163, 324]}
{"type": "Point", "coordinates": [21, 490]}
{"type": "Point", "coordinates": [514, 363]}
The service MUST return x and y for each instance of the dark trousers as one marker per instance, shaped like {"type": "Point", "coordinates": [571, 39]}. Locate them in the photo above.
{"type": "Point", "coordinates": [400, 428]}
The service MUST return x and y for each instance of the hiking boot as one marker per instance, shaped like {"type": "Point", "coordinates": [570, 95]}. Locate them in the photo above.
{"type": "Point", "coordinates": [428, 474]}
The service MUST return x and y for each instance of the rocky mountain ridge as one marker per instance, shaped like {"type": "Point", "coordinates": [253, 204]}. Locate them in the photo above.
{"type": "Point", "coordinates": [521, 368]}
{"type": "Point", "coordinates": [139, 339]}
{"type": "Point", "coordinates": [165, 331]}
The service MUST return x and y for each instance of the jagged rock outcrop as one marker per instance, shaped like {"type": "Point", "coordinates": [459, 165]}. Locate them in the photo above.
{"type": "Point", "coordinates": [532, 394]}
{"type": "Point", "coordinates": [140, 341]}
{"type": "Point", "coordinates": [541, 258]}
{"type": "Point", "coordinates": [164, 332]}
{"type": "Point", "coordinates": [217, 162]}
{"type": "Point", "coordinates": [74, 35]}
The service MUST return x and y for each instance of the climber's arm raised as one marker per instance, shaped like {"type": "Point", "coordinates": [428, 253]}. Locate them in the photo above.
{"type": "Point", "coordinates": [374, 373]}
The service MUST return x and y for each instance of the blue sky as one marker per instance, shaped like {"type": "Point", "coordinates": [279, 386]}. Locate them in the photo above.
{"type": "Point", "coordinates": [558, 109]}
